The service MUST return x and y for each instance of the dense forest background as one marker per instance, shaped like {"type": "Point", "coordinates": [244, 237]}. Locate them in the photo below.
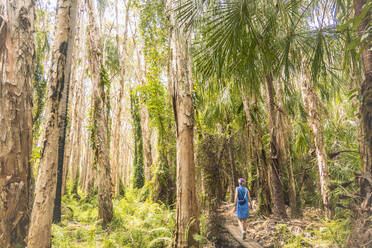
{"type": "Point", "coordinates": [127, 123]}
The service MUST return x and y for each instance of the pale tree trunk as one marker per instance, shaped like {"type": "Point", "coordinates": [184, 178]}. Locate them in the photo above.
{"type": "Point", "coordinates": [255, 134]}
{"type": "Point", "coordinates": [70, 129]}
{"type": "Point", "coordinates": [105, 211]}
{"type": "Point", "coordinates": [51, 157]}
{"type": "Point", "coordinates": [187, 223]}
{"type": "Point", "coordinates": [116, 137]}
{"type": "Point", "coordinates": [284, 136]}
{"type": "Point", "coordinates": [275, 154]}
{"type": "Point", "coordinates": [74, 89]}
{"type": "Point", "coordinates": [153, 142]}
{"type": "Point", "coordinates": [144, 116]}
{"type": "Point", "coordinates": [311, 102]}
{"type": "Point", "coordinates": [76, 145]}
{"type": "Point", "coordinates": [85, 161]}
{"type": "Point", "coordinates": [78, 140]}
{"type": "Point", "coordinates": [70, 24]}
{"type": "Point", "coordinates": [147, 159]}
{"type": "Point", "coordinates": [17, 62]}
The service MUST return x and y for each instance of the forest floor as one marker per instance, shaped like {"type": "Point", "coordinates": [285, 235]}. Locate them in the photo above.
{"type": "Point", "coordinates": [310, 230]}
{"type": "Point", "coordinates": [140, 223]}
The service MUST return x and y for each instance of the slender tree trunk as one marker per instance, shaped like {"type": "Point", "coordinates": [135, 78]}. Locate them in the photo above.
{"type": "Point", "coordinates": [105, 211]}
{"type": "Point", "coordinates": [70, 128]}
{"type": "Point", "coordinates": [17, 62]}
{"type": "Point", "coordinates": [284, 136]}
{"type": "Point", "coordinates": [122, 56]}
{"type": "Point", "coordinates": [311, 102]}
{"type": "Point", "coordinates": [366, 93]}
{"type": "Point", "coordinates": [147, 159]}
{"type": "Point", "coordinates": [187, 223]}
{"type": "Point", "coordinates": [78, 141]}
{"type": "Point", "coordinates": [70, 22]}
{"type": "Point", "coordinates": [51, 157]}
{"type": "Point", "coordinates": [233, 172]}
{"type": "Point", "coordinates": [144, 115]}
{"type": "Point", "coordinates": [74, 104]}
{"type": "Point", "coordinates": [69, 26]}
{"type": "Point", "coordinates": [264, 199]}
{"type": "Point", "coordinates": [276, 154]}
{"type": "Point", "coordinates": [76, 145]}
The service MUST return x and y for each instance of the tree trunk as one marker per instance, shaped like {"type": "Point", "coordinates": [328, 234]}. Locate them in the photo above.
{"type": "Point", "coordinates": [116, 137]}
{"type": "Point", "coordinates": [264, 199]}
{"type": "Point", "coordinates": [17, 56]}
{"type": "Point", "coordinates": [366, 93]}
{"type": "Point", "coordinates": [51, 157]}
{"type": "Point", "coordinates": [233, 172]}
{"type": "Point", "coordinates": [358, 237]}
{"type": "Point", "coordinates": [144, 115]}
{"type": "Point", "coordinates": [79, 141]}
{"type": "Point", "coordinates": [147, 159]}
{"type": "Point", "coordinates": [63, 109]}
{"type": "Point", "coordinates": [311, 102]}
{"type": "Point", "coordinates": [74, 104]}
{"type": "Point", "coordinates": [276, 154]}
{"type": "Point", "coordinates": [284, 136]}
{"type": "Point", "coordinates": [105, 210]}
{"type": "Point", "coordinates": [70, 129]}
{"type": "Point", "coordinates": [187, 223]}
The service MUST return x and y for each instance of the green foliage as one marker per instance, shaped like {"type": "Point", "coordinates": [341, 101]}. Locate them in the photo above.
{"type": "Point", "coordinates": [325, 234]}
{"type": "Point", "coordinates": [107, 85]}
{"type": "Point", "coordinates": [121, 188]}
{"type": "Point", "coordinates": [39, 83]}
{"type": "Point", "coordinates": [138, 177]}
{"type": "Point", "coordinates": [154, 32]}
{"type": "Point", "coordinates": [153, 94]}
{"type": "Point", "coordinates": [135, 224]}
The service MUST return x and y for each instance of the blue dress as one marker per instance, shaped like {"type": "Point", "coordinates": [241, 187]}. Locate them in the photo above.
{"type": "Point", "coordinates": [242, 210]}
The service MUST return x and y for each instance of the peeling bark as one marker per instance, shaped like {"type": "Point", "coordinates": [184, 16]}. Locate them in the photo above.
{"type": "Point", "coordinates": [51, 157]}
{"type": "Point", "coordinates": [105, 209]}
{"type": "Point", "coordinates": [17, 62]}
{"type": "Point", "coordinates": [187, 223]}
{"type": "Point", "coordinates": [311, 101]}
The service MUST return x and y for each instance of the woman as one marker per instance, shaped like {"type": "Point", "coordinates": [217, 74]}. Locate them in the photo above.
{"type": "Point", "coordinates": [241, 206]}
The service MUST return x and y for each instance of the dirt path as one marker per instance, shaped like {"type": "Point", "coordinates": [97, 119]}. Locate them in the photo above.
{"type": "Point", "coordinates": [229, 232]}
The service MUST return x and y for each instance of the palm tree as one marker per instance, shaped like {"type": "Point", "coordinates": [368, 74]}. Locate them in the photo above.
{"type": "Point", "coordinates": [242, 41]}
{"type": "Point", "coordinates": [258, 41]}
{"type": "Point", "coordinates": [362, 8]}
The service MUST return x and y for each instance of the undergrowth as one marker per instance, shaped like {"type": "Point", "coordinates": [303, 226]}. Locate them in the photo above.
{"type": "Point", "coordinates": [327, 233]}
{"type": "Point", "coordinates": [135, 224]}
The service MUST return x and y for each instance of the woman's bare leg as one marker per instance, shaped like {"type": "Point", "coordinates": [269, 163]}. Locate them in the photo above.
{"type": "Point", "coordinates": [244, 224]}
{"type": "Point", "coordinates": [241, 224]}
